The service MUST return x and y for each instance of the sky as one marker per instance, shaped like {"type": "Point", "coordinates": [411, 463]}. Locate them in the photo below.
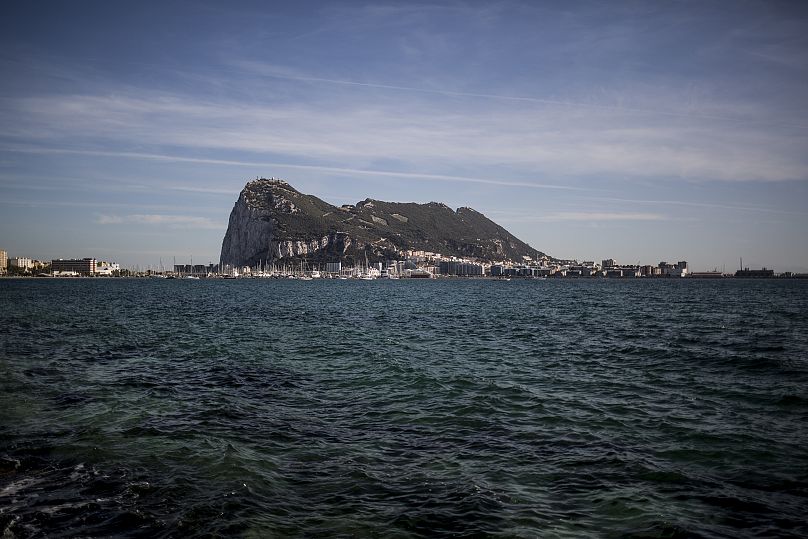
{"type": "Point", "coordinates": [639, 131]}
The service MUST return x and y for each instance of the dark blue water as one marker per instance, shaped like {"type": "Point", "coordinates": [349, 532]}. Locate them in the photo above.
{"type": "Point", "coordinates": [573, 408]}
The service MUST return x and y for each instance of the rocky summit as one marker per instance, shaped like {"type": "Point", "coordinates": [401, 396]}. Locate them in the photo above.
{"type": "Point", "coordinates": [273, 221]}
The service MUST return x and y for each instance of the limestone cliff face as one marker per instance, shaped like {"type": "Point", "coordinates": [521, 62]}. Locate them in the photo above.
{"type": "Point", "coordinates": [272, 221]}
{"type": "Point", "coordinates": [250, 233]}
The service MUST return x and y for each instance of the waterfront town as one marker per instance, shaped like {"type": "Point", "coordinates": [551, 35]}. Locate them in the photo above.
{"type": "Point", "coordinates": [412, 264]}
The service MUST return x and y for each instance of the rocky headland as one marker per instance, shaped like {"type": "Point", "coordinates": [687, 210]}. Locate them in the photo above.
{"type": "Point", "coordinates": [272, 221]}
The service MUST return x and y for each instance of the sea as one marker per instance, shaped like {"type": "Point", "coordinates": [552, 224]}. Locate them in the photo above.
{"type": "Point", "coordinates": [404, 408]}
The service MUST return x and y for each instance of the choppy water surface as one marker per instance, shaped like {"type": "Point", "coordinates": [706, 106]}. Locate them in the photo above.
{"type": "Point", "coordinates": [404, 408]}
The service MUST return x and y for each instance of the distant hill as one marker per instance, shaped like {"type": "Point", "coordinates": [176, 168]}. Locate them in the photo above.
{"type": "Point", "coordinates": [273, 221]}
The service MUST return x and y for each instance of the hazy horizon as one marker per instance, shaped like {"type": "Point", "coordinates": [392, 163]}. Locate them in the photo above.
{"type": "Point", "coordinates": [634, 131]}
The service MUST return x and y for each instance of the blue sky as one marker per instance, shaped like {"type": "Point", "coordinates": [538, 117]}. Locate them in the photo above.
{"type": "Point", "coordinates": [640, 131]}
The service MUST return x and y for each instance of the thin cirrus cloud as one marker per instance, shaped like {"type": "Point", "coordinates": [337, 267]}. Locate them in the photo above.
{"type": "Point", "coordinates": [173, 221]}
{"type": "Point", "coordinates": [586, 217]}
{"type": "Point", "coordinates": [353, 130]}
{"type": "Point", "coordinates": [339, 171]}
{"type": "Point", "coordinates": [281, 72]}
{"type": "Point", "coordinates": [603, 216]}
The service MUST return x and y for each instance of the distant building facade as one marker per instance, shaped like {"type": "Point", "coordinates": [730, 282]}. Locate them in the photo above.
{"type": "Point", "coordinates": [456, 267]}
{"type": "Point", "coordinates": [82, 266]}
{"type": "Point", "coordinates": [754, 274]}
{"type": "Point", "coordinates": [587, 269]}
{"type": "Point", "coordinates": [396, 267]}
{"type": "Point", "coordinates": [107, 268]}
{"type": "Point", "coordinates": [3, 261]}
{"type": "Point", "coordinates": [21, 263]}
{"type": "Point", "coordinates": [679, 269]}
{"type": "Point", "coordinates": [649, 271]}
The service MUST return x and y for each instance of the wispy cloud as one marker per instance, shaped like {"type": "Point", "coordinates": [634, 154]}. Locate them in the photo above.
{"type": "Point", "coordinates": [424, 139]}
{"type": "Point", "coordinates": [173, 221]}
{"type": "Point", "coordinates": [284, 73]}
{"type": "Point", "coordinates": [110, 220]}
{"type": "Point", "coordinates": [604, 216]}
{"type": "Point", "coordinates": [273, 165]}
{"type": "Point", "coordinates": [706, 205]}
{"type": "Point", "coordinates": [586, 217]}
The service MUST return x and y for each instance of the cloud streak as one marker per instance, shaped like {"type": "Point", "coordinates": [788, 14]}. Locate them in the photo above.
{"type": "Point", "coordinates": [173, 221]}
{"type": "Point", "coordinates": [274, 72]}
{"type": "Point", "coordinates": [422, 139]}
{"type": "Point", "coordinates": [707, 205]}
{"type": "Point", "coordinates": [586, 217]}
{"type": "Point", "coordinates": [265, 164]}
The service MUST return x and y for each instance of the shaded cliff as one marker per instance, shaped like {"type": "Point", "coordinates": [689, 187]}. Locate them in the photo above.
{"type": "Point", "coordinates": [272, 221]}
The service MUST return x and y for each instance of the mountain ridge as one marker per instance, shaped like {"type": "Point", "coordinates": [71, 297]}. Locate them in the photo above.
{"type": "Point", "coordinates": [271, 220]}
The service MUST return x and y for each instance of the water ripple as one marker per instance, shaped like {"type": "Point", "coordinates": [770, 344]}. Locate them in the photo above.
{"type": "Point", "coordinates": [404, 409]}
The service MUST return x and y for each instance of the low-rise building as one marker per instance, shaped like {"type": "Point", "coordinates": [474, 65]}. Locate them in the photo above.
{"type": "Point", "coordinates": [587, 269]}
{"type": "Point", "coordinates": [107, 268]}
{"type": "Point", "coordinates": [524, 271]}
{"type": "Point", "coordinates": [674, 270]}
{"type": "Point", "coordinates": [21, 263]}
{"type": "Point", "coordinates": [647, 270]}
{"type": "Point", "coordinates": [459, 267]}
{"type": "Point", "coordinates": [82, 266]}
{"type": "Point", "coordinates": [754, 274]}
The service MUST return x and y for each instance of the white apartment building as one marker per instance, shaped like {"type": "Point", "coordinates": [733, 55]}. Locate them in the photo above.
{"type": "Point", "coordinates": [21, 263]}
{"type": "Point", "coordinates": [107, 268]}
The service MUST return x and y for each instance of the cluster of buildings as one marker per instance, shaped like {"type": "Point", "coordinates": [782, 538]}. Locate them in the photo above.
{"type": "Point", "coordinates": [87, 267]}
{"type": "Point", "coordinates": [437, 264]}
{"type": "Point", "coordinates": [414, 264]}
{"type": "Point", "coordinates": [607, 268]}
{"type": "Point", "coordinates": [427, 264]}
{"type": "Point", "coordinates": [19, 264]}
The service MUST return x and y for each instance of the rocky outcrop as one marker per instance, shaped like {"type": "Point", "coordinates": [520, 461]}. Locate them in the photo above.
{"type": "Point", "coordinates": [336, 243]}
{"type": "Point", "coordinates": [272, 221]}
